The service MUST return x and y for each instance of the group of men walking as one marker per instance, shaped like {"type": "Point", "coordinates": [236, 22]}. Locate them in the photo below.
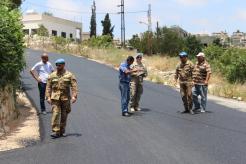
{"type": "Point", "coordinates": [193, 80]}
{"type": "Point", "coordinates": [55, 87]}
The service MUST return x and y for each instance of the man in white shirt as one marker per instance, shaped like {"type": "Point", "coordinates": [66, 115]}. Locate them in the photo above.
{"type": "Point", "coordinates": [40, 72]}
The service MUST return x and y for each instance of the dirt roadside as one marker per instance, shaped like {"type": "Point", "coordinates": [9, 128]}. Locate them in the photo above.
{"type": "Point", "coordinates": [23, 131]}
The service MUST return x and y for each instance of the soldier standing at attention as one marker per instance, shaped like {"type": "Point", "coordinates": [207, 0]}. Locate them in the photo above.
{"type": "Point", "coordinates": [184, 74]}
{"type": "Point", "coordinates": [40, 72]}
{"type": "Point", "coordinates": [58, 95]}
{"type": "Point", "coordinates": [201, 76]}
{"type": "Point", "coordinates": [136, 83]}
{"type": "Point", "coordinates": [124, 84]}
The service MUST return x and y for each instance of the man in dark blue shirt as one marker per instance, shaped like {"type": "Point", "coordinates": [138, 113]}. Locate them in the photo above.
{"type": "Point", "coordinates": [124, 85]}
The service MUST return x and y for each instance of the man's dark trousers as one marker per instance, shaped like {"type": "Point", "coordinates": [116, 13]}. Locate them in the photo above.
{"type": "Point", "coordinates": [42, 88]}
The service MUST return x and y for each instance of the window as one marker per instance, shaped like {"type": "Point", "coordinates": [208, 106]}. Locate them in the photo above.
{"type": "Point", "coordinates": [71, 36]}
{"type": "Point", "coordinates": [54, 33]}
{"type": "Point", "coordinates": [33, 31]}
{"type": "Point", "coordinates": [63, 34]}
{"type": "Point", "coordinates": [26, 31]}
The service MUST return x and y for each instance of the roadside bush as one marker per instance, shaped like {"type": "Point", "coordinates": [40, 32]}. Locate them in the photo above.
{"type": "Point", "coordinates": [104, 41]}
{"type": "Point", "coordinates": [233, 65]}
{"type": "Point", "coordinates": [231, 62]}
{"type": "Point", "coordinates": [11, 42]}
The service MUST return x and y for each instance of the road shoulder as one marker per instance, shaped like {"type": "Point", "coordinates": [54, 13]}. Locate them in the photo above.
{"type": "Point", "coordinates": [23, 131]}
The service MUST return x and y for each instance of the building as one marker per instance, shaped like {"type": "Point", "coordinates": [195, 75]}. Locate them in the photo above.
{"type": "Point", "coordinates": [238, 39]}
{"type": "Point", "coordinates": [85, 36]}
{"type": "Point", "coordinates": [180, 31]}
{"type": "Point", "coordinates": [56, 26]}
{"type": "Point", "coordinates": [223, 36]}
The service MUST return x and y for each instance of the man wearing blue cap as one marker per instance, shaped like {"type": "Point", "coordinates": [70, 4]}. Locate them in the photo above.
{"type": "Point", "coordinates": [184, 74]}
{"type": "Point", "coordinates": [58, 95]}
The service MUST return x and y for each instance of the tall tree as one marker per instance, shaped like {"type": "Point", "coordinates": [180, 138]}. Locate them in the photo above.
{"type": "Point", "coordinates": [107, 27]}
{"type": "Point", "coordinates": [93, 23]}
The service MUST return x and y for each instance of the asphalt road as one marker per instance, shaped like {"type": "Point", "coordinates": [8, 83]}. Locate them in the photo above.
{"type": "Point", "coordinates": [97, 134]}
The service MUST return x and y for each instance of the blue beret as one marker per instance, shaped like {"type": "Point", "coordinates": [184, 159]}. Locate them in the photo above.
{"type": "Point", "coordinates": [183, 54]}
{"type": "Point", "coordinates": [60, 61]}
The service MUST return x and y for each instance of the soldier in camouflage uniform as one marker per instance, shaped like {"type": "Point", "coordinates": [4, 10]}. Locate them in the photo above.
{"type": "Point", "coordinates": [136, 83]}
{"type": "Point", "coordinates": [184, 74]}
{"type": "Point", "coordinates": [58, 95]}
{"type": "Point", "coordinates": [201, 76]}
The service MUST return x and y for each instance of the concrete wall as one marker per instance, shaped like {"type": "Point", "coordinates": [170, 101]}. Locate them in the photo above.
{"type": "Point", "coordinates": [7, 108]}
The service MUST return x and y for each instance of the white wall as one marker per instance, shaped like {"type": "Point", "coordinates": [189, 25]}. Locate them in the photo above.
{"type": "Point", "coordinates": [52, 23]}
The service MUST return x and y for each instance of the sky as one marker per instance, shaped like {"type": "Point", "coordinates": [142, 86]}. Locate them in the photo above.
{"type": "Point", "coordinates": [195, 16]}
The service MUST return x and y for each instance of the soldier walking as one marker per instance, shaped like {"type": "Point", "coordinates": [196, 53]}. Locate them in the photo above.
{"type": "Point", "coordinates": [58, 95]}
{"type": "Point", "coordinates": [184, 74]}
{"type": "Point", "coordinates": [201, 76]}
{"type": "Point", "coordinates": [136, 83]}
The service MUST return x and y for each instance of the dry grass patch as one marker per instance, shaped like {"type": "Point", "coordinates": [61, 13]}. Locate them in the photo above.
{"type": "Point", "coordinates": [161, 63]}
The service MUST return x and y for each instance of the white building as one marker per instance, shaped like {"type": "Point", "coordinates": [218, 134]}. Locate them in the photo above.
{"type": "Point", "coordinates": [56, 26]}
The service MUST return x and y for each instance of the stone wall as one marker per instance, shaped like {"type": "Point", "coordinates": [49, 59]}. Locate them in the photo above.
{"type": "Point", "coordinates": [7, 108]}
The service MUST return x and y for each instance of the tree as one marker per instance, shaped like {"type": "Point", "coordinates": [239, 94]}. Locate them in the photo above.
{"type": "Point", "coordinates": [93, 23]}
{"type": "Point", "coordinates": [13, 4]}
{"type": "Point", "coordinates": [217, 42]}
{"type": "Point", "coordinates": [43, 32]}
{"type": "Point", "coordinates": [107, 28]}
{"type": "Point", "coordinates": [47, 13]}
{"type": "Point", "coordinates": [169, 42]}
{"type": "Point", "coordinates": [192, 45]}
{"type": "Point", "coordinates": [135, 42]}
{"type": "Point", "coordinates": [12, 60]}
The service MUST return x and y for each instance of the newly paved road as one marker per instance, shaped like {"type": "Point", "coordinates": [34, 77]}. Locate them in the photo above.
{"type": "Point", "coordinates": [157, 135]}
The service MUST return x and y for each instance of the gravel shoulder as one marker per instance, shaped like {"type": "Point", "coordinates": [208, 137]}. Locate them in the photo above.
{"type": "Point", "coordinates": [24, 131]}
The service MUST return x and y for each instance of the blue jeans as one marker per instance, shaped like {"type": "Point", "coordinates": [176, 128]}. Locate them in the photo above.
{"type": "Point", "coordinates": [200, 90]}
{"type": "Point", "coordinates": [125, 95]}
{"type": "Point", "coordinates": [42, 88]}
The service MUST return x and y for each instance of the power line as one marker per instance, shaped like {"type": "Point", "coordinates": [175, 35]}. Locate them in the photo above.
{"type": "Point", "coordinates": [84, 12]}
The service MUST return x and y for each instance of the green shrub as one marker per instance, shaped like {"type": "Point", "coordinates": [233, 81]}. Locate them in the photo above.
{"type": "Point", "coordinates": [104, 41]}
{"type": "Point", "coordinates": [230, 62]}
{"type": "Point", "coordinates": [11, 42]}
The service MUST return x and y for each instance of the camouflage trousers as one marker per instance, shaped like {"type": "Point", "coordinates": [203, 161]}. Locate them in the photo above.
{"type": "Point", "coordinates": [186, 94]}
{"type": "Point", "coordinates": [60, 110]}
{"type": "Point", "coordinates": [136, 91]}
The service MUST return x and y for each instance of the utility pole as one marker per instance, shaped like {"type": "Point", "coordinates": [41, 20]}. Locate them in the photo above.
{"type": "Point", "coordinates": [123, 34]}
{"type": "Point", "coordinates": [149, 31]}
{"type": "Point", "coordinates": [94, 8]}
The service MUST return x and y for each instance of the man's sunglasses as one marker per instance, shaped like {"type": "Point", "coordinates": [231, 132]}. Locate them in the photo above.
{"type": "Point", "coordinates": [58, 65]}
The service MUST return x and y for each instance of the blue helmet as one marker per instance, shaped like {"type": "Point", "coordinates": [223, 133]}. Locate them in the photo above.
{"type": "Point", "coordinates": [60, 61]}
{"type": "Point", "coordinates": [183, 54]}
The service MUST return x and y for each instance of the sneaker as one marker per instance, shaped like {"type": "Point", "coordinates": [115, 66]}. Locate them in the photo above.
{"type": "Point", "coordinates": [54, 135]}
{"type": "Point", "coordinates": [126, 114]}
{"type": "Point", "coordinates": [44, 112]}
{"type": "Point", "coordinates": [138, 109]}
{"type": "Point", "coordinates": [196, 109]}
{"type": "Point", "coordinates": [63, 135]}
{"type": "Point", "coordinates": [132, 110]}
{"type": "Point", "coordinates": [191, 112]}
{"type": "Point", "coordinates": [202, 111]}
